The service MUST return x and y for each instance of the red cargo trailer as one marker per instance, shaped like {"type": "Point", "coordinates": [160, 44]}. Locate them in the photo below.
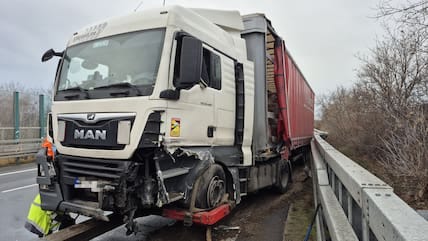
{"type": "Point", "coordinates": [295, 100]}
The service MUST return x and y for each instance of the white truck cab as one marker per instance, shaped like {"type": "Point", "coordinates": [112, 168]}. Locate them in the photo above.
{"type": "Point", "coordinates": [122, 66]}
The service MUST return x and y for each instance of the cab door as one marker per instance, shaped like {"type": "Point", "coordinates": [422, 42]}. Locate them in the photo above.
{"type": "Point", "coordinates": [190, 118]}
{"type": "Point", "coordinates": [220, 79]}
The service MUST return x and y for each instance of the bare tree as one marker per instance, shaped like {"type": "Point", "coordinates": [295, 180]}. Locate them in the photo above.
{"type": "Point", "coordinates": [383, 118]}
{"type": "Point", "coordinates": [405, 150]}
{"type": "Point", "coordinates": [353, 121]}
{"type": "Point", "coordinates": [396, 72]}
{"type": "Point", "coordinates": [409, 17]}
{"type": "Point", "coordinates": [406, 147]}
{"type": "Point", "coordinates": [410, 13]}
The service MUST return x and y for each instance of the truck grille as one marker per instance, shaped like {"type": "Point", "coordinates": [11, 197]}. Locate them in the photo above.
{"type": "Point", "coordinates": [90, 167]}
{"type": "Point", "coordinates": [107, 123]}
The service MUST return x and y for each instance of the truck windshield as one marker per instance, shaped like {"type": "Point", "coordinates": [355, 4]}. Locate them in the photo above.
{"type": "Point", "coordinates": [98, 68]}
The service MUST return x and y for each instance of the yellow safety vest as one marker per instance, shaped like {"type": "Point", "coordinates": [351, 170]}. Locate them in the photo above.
{"type": "Point", "coordinates": [39, 218]}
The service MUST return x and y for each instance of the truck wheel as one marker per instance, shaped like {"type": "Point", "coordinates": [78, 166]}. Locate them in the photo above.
{"type": "Point", "coordinates": [283, 177]}
{"type": "Point", "coordinates": [212, 187]}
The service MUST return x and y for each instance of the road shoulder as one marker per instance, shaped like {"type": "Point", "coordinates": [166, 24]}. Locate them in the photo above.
{"type": "Point", "coordinates": [301, 210]}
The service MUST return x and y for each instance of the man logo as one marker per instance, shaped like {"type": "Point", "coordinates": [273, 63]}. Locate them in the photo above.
{"type": "Point", "coordinates": [89, 134]}
{"type": "Point", "coordinates": [90, 116]}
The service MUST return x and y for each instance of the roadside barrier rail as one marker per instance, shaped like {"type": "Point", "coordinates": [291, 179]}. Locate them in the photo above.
{"type": "Point", "coordinates": [19, 148]}
{"type": "Point", "coordinates": [27, 146]}
{"type": "Point", "coordinates": [357, 205]}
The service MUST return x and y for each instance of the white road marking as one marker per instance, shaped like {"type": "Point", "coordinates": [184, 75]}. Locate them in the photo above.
{"type": "Point", "coordinates": [16, 172]}
{"type": "Point", "coordinates": [19, 188]}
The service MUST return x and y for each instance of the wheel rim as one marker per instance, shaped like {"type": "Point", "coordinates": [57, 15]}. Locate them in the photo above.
{"type": "Point", "coordinates": [215, 191]}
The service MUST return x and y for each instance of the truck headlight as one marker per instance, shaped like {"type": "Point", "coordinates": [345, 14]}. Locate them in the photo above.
{"type": "Point", "coordinates": [123, 132]}
{"type": "Point", "coordinates": [61, 131]}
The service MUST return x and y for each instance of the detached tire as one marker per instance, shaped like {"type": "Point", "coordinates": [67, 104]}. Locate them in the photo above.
{"type": "Point", "coordinates": [212, 187]}
{"type": "Point", "coordinates": [283, 177]}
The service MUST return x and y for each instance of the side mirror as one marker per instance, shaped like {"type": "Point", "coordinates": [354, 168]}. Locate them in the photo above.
{"type": "Point", "coordinates": [49, 54]}
{"type": "Point", "coordinates": [190, 63]}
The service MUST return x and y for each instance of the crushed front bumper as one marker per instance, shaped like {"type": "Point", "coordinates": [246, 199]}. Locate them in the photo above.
{"type": "Point", "coordinates": [56, 191]}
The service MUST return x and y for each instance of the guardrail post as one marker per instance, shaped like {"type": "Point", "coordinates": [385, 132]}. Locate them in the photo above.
{"type": "Point", "coordinates": [16, 134]}
{"type": "Point", "coordinates": [365, 213]}
{"type": "Point", "coordinates": [349, 199]}
{"type": "Point", "coordinates": [42, 118]}
{"type": "Point", "coordinates": [319, 219]}
{"type": "Point", "coordinates": [16, 115]}
{"type": "Point", "coordinates": [365, 227]}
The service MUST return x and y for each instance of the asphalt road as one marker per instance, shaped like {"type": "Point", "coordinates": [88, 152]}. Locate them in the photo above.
{"type": "Point", "coordinates": [17, 190]}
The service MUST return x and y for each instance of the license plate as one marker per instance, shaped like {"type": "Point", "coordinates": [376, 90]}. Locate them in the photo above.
{"type": "Point", "coordinates": [95, 186]}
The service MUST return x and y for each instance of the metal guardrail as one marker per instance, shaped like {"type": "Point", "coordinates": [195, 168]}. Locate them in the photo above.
{"type": "Point", "coordinates": [355, 204]}
{"type": "Point", "coordinates": [19, 148]}
{"type": "Point", "coordinates": [24, 132]}
{"type": "Point", "coordinates": [29, 145]}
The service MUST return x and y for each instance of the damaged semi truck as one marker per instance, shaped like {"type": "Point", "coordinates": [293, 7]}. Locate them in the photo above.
{"type": "Point", "coordinates": [174, 110]}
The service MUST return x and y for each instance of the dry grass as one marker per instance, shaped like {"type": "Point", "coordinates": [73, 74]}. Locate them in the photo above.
{"type": "Point", "coordinates": [300, 214]}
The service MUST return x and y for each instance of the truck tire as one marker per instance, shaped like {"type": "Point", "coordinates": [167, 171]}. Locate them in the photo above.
{"type": "Point", "coordinates": [284, 176]}
{"type": "Point", "coordinates": [212, 187]}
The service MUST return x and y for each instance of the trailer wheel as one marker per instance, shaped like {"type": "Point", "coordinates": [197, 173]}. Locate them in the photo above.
{"type": "Point", "coordinates": [283, 177]}
{"type": "Point", "coordinates": [212, 187]}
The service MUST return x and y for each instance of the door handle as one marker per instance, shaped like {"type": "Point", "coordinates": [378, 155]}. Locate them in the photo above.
{"type": "Point", "coordinates": [210, 131]}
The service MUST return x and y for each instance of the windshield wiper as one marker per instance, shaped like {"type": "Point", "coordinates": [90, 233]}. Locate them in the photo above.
{"type": "Point", "coordinates": [77, 88]}
{"type": "Point", "coordinates": [118, 85]}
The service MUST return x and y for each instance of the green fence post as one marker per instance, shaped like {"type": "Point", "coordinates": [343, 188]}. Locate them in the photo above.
{"type": "Point", "coordinates": [16, 115]}
{"type": "Point", "coordinates": [42, 117]}
{"type": "Point", "coordinates": [16, 119]}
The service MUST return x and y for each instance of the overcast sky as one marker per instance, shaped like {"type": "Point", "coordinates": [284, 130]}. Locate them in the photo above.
{"type": "Point", "coordinates": [323, 36]}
